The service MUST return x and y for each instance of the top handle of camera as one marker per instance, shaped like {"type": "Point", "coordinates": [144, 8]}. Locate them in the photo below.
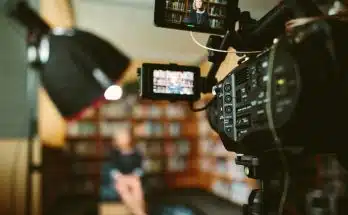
{"type": "Point", "coordinates": [303, 8]}
{"type": "Point", "coordinates": [254, 34]}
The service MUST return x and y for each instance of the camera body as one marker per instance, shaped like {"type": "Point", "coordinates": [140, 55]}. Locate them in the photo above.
{"type": "Point", "coordinates": [274, 94]}
{"type": "Point", "coordinates": [282, 107]}
{"type": "Point", "coordinates": [284, 90]}
{"type": "Point", "coordinates": [239, 111]}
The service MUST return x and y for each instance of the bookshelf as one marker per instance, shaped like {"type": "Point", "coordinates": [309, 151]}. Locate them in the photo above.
{"type": "Point", "coordinates": [165, 134]}
{"type": "Point", "coordinates": [217, 166]}
{"type": "Point", "coordinates": [179, 10]}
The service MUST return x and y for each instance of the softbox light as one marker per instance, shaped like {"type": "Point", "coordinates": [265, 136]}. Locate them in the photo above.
{"type": "Point", "coordinates": [76, 67]}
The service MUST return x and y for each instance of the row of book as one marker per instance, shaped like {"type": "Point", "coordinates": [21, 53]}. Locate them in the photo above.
{"type": "Point", "coordinates": [176, 5]}
{"type": "Point", "coordinates": [216, 23]}
{"type": "Point", "coordinates": [214, 146]}
{"type": "Point", "coordinates": [115, 110]}
{"type": "Point", "coordinates": [150, 148]}
{"type": "Point", "coordinates": [146, 148]}
{"type": "Point", "coordinates": [217, 11]}
{"type": "Point", "coordinates": [174, 17]}
{"type": "Point", "coordinates": [148, 111]}
{"type": "Point", "coordinates": [237, 192]}
{"type": "Point", "coordinates": [123, 109]}
{"type": "Point", "coordinates": [157, 129]}
{"type": "Point", "coordinates": [180, 4]}
{"type": "Point", "coordinates": [149, 129]}
{"type": "Point", "coordinates": [81, 128]}
{"type": "Point", "coordinates": [179, 18]}
{"type": "Point", "coordinates": [143, 129]}
{"type": "Point", "coordinates": [170, 111]}
{"type": "Point", "coordinates": [167, 148]}
{"type": "Point", "coordinates": [177, 164]}
{"type": "Point", "coordinates": [85, 148]}
{"type": "Point", "coordinates": [173, 164]}
{"type": "Point", "coordinates": [151, 165]}
{"type": "Point", "coordinates": [108, 129]}
{"type": "Point", "coordinates": [223, 167]}
{"type": "Point", "coordinates": [179, 147]}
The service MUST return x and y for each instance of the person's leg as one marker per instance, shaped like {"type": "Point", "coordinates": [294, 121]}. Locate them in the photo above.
{"type": "Point", "coordinates": [122, 188]}
{"type": "Point", "coordinates": [137, 194]}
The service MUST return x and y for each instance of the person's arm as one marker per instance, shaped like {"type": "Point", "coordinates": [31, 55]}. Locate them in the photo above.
{"type": "Point", "coordinates": [138, 172]}
{"type": "Point", "coordinates": [115, 174]}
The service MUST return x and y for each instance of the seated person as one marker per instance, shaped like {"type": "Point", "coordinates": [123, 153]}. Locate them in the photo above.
{"type": "Point", "coordinates": [198, 15]}
{"type": "Point", "coordinates": [126, 172]}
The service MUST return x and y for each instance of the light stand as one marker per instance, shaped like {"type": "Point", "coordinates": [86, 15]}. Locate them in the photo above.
{"type": "Point", "coordinates": [75, 68]}
{"type": "Point", "coordinates": [316, 186]}
{"type": "Point", "coordinates": [33, 132]}
{"type": "Point", "coordinates": [36, 28]}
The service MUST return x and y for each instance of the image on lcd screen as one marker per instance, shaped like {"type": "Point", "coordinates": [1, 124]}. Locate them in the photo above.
{"type": "Point", "coordinates": [196, 13]}
{"type": "Point", "coordinates": [173, 82]}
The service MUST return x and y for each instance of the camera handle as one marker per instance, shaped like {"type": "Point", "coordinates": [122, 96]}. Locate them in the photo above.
{"type": "Point", "coordinates": [256, 203]}
{"type": "Point", "coordinates": [327, 196]}
{"type": "Point", "coordinates": [304, 8]}
{"type": "Point", "coordinates": [262, 201]}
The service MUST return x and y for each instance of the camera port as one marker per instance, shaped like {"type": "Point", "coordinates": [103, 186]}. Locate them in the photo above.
{"type": "Point", "coordinates": [228, 98]}
{"type": "Point", "coordinates": [227, 88]}
{"type": "Point", "coordinates": [228, 109]}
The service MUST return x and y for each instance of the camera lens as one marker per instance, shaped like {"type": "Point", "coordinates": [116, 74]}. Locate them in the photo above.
{"type": "Point", "coordinates": [228, 98]}
{"type": "Point", "coordinates": [228, 109]}
{"type": "Point", "coordinates": [228, 87]}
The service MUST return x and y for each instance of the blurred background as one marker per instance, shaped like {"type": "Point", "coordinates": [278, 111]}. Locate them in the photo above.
{"type": "Point", "coordinates": [181, 152]}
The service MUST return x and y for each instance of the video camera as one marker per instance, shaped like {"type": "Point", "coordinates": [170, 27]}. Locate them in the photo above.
{"type": "Point", "coordinates": [280, 105]}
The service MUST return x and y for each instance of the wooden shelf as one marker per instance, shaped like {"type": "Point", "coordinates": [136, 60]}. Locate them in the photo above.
{"type": "Point", "coordinates": [155, 138]}
{"type": "Point", "coordinates": [143, 112]}
{"type": "Point", "coordinates": [115, 119]}
{"type": "Point", "coordinates": [155, 156]}
{"type": "Point", "coordinates": [82, 138]}
{"type": "Point", "coordinates": [177, 11]}
{"type": "Point", "coordinates": [217, 17]}
{"type": "Point", "coordinates": [161, 119]}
